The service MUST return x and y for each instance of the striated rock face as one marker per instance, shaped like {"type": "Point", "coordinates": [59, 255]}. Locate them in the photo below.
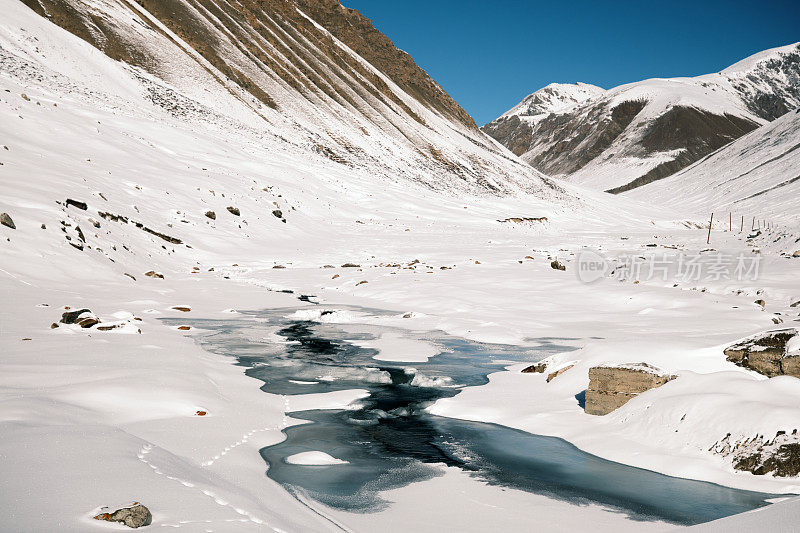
{"type": "Point", "coordinates": [357, 32]}
{"type": "Point", "coordinates": [611, 387]}
{"type": "Point", "coordinates": [767, 353]}
{"type": "Point", "coordinates": [316, 76]}
{"type": "Point", "coordinates": [242, 40]}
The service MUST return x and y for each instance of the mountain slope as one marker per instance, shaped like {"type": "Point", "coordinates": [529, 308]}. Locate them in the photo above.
{"type": "Point", "coordinates": [756, 176]}
{"type": "Point", "coordinates": [641, 132]}
{"type": "Point", "coordinates": [313, 73]}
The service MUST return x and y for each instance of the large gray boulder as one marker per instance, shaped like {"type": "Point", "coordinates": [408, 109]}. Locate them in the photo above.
{"type": "Point", "coordinates": [134, 517]}
{"type": "Point", "coordinates": [612, 386]}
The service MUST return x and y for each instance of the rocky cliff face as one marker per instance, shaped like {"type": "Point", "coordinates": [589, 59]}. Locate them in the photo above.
{"type": "Point", "coordinates": [620, 139]}
{"type": "Point", "coordinates": [611, 387]}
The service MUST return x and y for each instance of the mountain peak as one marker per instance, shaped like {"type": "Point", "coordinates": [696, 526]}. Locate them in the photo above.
{"type": "Point", "coordinates": [555, 98]}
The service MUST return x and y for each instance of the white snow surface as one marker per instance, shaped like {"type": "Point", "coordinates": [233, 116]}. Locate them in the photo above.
{"type": "Point", "coordinates": [314, 458]}
{"type": "Point", "coordinates": [91, 418]}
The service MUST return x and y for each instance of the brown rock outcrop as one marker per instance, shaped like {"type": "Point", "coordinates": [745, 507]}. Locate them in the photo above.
{"type": "Point", "coordinates": [134, 517]}
{"type": "Point", "coordinates": [611, 387]}
{"type": "Point", "coordinates": [767, 353]}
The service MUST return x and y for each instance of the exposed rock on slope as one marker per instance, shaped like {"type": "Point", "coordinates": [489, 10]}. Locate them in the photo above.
{"type": "Point", "coordinates": [768, 353]}
{"type": "Point", "coordinates": [611, 387]}
{"type": "Point", "coordinates": [779, 456]}
{"type": "Point", "coordinates": [634, 134]}
{"type": "Point", "coordinates": [134, 517]}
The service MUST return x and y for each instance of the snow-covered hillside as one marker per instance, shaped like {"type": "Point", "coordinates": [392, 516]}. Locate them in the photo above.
{"type": "Point", "coordinates": [644, 131]}
{"type": "Point", "coordinates": [755, 177]}
{"type": "Point", "coordinates": [271, 66]}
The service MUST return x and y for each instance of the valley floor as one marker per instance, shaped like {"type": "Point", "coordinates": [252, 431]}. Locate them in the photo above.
{"type": "Point", "coordinates": [99, 418]}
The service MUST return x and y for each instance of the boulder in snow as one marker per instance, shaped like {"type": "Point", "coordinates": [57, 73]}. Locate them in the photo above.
{"type": "Point", "coordinates": [612, 386]}
{"type": "Point", "coordinates": [134, 517]}
{"type": "Point", "coordinates": [5, 220]}
{"type": "Point", "coordinates": [767, 353]}
{"type": "Point", "coordinates": [233, 210]}
{"type": "Point", "coordinates": [553, 375]}
{"type": "Point", "coordinates": [77, 203]}
{"type": "Point", "coordinates": [538, 368]}
{"type": "Point", "coordinates": [82, 317]}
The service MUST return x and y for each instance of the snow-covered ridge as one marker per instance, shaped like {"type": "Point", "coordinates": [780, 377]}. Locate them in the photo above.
{"type": "Point", "coordinates": [640, 132]}
{"type": "Point", "coordinates": [554, 98]}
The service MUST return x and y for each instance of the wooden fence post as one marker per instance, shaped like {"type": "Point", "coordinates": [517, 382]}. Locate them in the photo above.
{"type": "Point", "coordinates": [708, 241]}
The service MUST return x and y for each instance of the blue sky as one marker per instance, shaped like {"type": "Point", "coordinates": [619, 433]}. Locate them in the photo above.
{"type": "Point", "coordinates": [490, 54]}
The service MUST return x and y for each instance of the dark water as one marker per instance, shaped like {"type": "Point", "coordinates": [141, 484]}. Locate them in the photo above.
{"type": "Point", "coordinates": [390, 441]}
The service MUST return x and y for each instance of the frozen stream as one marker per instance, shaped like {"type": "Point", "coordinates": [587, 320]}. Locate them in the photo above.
{"type": "Point", "coordinates": [388, 440]}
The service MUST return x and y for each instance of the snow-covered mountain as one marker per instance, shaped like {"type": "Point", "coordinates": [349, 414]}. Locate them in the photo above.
{"type": "Point", "coordinates": [311, 73]}
{"type": "Point", "coordinates": [641, 132]}
{"type": "Point", "coordinates": [756, 176]}
{"type": "Point", "coordinates": [555, 98]}
{"type": "Point", "coordinates": [515, 126]}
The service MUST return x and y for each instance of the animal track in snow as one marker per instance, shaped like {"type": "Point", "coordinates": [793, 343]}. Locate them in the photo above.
{"type": "Point", "coordinates": [246, 437]}
{"type": "Point", "coordinates": [246, 515]}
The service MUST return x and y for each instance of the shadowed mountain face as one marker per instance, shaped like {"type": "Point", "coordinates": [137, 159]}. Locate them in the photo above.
{"type": "Point", "coordinates": [626, 137]}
